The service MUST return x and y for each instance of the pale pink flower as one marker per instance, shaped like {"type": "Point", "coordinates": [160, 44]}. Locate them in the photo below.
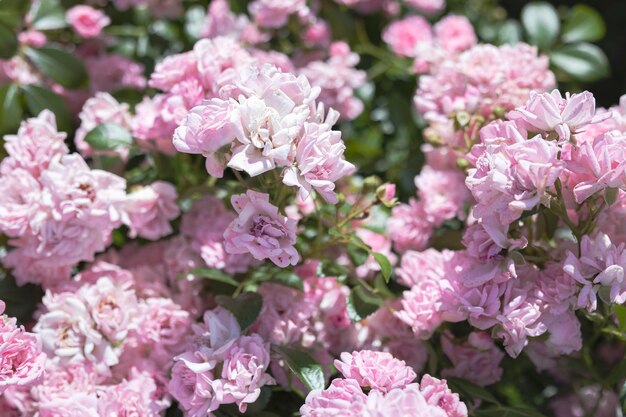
{"type": "Point", "coordinates": [87, 21]}
{"type": "Point", "coordinates": [221, 61]}
{"type": "Point", "coordinates": [286, 316]}
{"type": "Point", "coordinates": [376, 370]}
{"type": "Point", "coordinates": [481, 80]}
{"type": "Point", "coordinates": [102, 108]}
{"type": "Point", "coordinates": [20, 202]}
{"type": "Point", "coordinates": [455, 33]}
{"type": "Point", "coordinates": [338, 78]}
{"type": "Point", "coordinates": [149, 210]}
{"type": "Point", "coordinates": [477, 360]}
{"type": "Point", "coordinates": [428, 7]}
{"type": "Point", "coordinates": [405, 35]}
{"type": "Point", "coordinates": [135, 397]}
{"type": "Point", "coordinates": [596, 165]}
{"type": "Point", "coordinates": [343, 397]}
{"type": "Point", "coordinates": [601, 264]}
{"type": "Point", "coordinates": [174, 69]}
{"type": "Point", "coordinates": [221, 21]}
{"type": "Point", "coordinates": [421, 308]}
{"type": "Point", "coordinates": [244, 372]}
{"type": "Point", "coordinates": [275, 13]}
{"type": "Point", "coordinates": [272, 115]}
{"type": "Point", "coordinates": [208, 129]}
{"type": "Point", "coordinates": [21, 359]}
{"type": "Point", "coordinates": [437, 393]}
{"type": "Point", "coordinates": [68, 334]}
{"type": "Point", "coordinates": [416, 267]}
{"type": "Point", "coordinates": [204, 225]}
{"type": "Point", "coordinates": [317, 34]}
{"type": "Point", "coordinates": [35, 145]}
{"type": "Point", "coordinates": [33, 38]}
{"type": "Point", "coordinates": [408, 227]}
{"type": "Point", "coordinates": [68, 390]}
{"type": "Point", "coordinates": [546, 112]}
{"type": "Point", "coordinates": [319, 161]}
{"type": "Point", "coordinates": [162, 324]}
{"type": "Point", "coordinates": [442, 194]}
{"type": "Point", "coordinates": [220, 366]}
{"type": "Point", "coordinates": [261, 230]}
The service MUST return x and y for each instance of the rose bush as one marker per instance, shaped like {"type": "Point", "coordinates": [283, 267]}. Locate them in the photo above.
{"type": "Point", "coordinates": [317, 208]}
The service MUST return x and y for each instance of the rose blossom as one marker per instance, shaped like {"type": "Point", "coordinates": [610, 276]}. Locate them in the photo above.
{"type": "Point", "coordinates": [87, 21]}
{"type": "Point", "coordinates": [261, 230]}
{"type": "Point", "coordinates": [377, 370]}
{"type": "Point", "coordinates": [320, 161]}
{"type": "Point", "coordinates": [150, 209]}
{"type": "Point", "coordinates": [404, 36]}
{"type": "Point", "coordinates": [21, 359]}
{"type": "Point", "coordinates": [455, 33]}
{"type": "Point", "coordinates": [207, 129]}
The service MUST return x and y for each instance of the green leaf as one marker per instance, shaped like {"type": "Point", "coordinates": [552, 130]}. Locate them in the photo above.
{"type": "Point", "coordinates": [582, 61]}
{"type": "Point", "coordinates": [385, 265]}
{"type": "Point", "coordinates": [246, 307]}
{"type": "Point", "coordinates": [510, 32]}
{"type": "Point", "coordinates": [288, 279]}
{"type": "Point", "coordinates": [541, 22]}
{"type": "Point", "coordinates": [8, 42]}
{"type": "Point", "coordinates": [11, 12]}
{"type": "Point", "coordinates": [471, 390]}
{"type": "Point", "coordinates": [59, 65]}
{"type": "Point", "coordinates": [48, 15]}
{"type": "Point", "coordinates": [583, 24]}
{"type": "Point", "coordinates": [618, 372]}
{"type": "Point", "coordinates": [108, 136]}
{"type": "Point", "coordinates": [39, 98]}
{"type": "Point", "coordinates": [361, 303]}
{"type": "Point", "coordinates": [10, 108]}
{"type": "Point", "coordinates": [304, 367]}
{"type": "Point", "coordinates": [214, 275]}
{"type": "Point", "coordinates": [508, 412]}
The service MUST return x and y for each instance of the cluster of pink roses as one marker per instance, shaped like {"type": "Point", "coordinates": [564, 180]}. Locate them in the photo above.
{"type": "Point", "coordinates": [554, 156]}
{"type": "Point", "coordinates": [59, 212]}
{"type": "Point", "coordinates": [225, 293]}
{"type": "Point", "coordinates": [392, 391]}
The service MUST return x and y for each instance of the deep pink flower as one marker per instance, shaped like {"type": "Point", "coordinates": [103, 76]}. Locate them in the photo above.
{"type": "Point", "coordinates": [87, 21]}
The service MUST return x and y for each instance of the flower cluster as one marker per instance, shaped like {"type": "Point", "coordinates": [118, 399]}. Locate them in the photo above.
{"type": "Point", "coordinates": [185, 231]}
{"type": "Point", "coordinates": [392, 391]}
{"type": "Point", "coordinates": [59, 212]}
{"type": "Point", "coordinates": [220, 366]}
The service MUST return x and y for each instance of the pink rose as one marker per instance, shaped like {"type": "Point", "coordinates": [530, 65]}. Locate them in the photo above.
{"type": "Point", "coordinates": [377, 370]}
{"type": "Point", "coordinates": [150, 209]}
{"type": "Point", "coordinates": [455, 33]}
{"type": "Point", "coordinates": [320, 161]}
{"type": "Point", "coordinates": [261, 230]}
{"type": "Point", "coordinates": [87, 21]}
